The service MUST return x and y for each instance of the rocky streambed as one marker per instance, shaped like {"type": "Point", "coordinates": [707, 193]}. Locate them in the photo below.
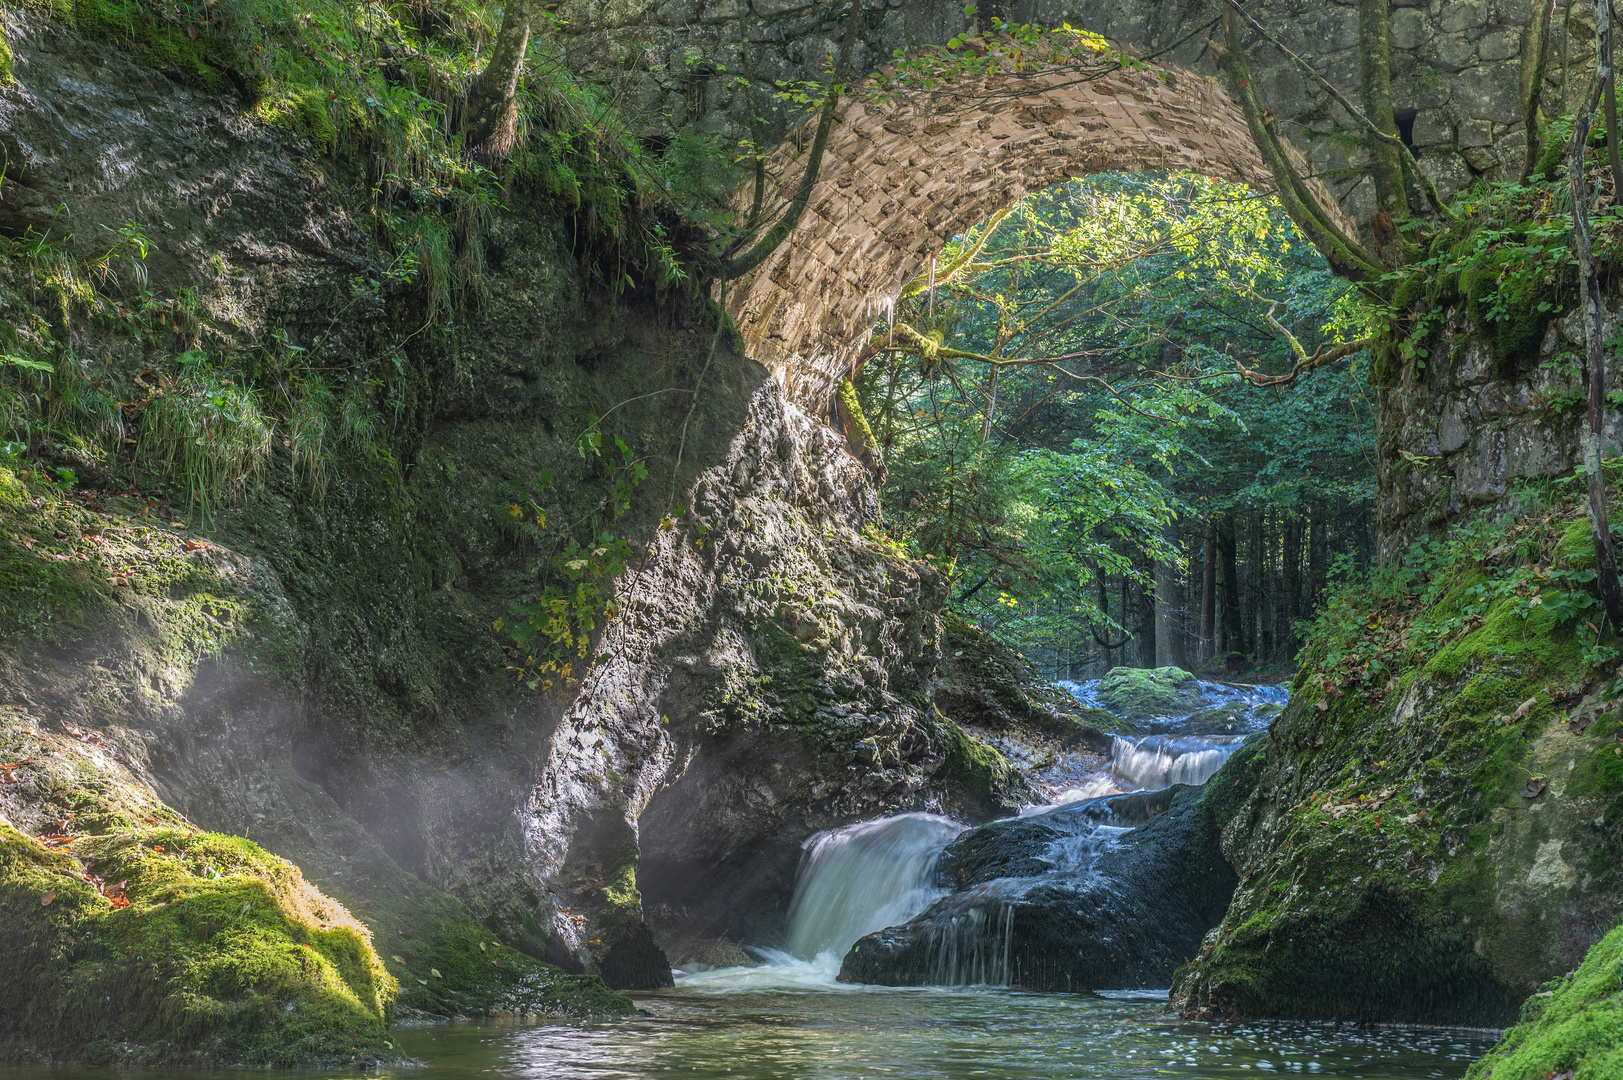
{"type": "Point", "coordinates": [1108, 883]}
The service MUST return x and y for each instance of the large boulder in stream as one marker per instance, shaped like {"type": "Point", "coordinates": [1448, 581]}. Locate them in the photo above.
{"type": "Point", "coordinates": [1072, 899]}
{"type": "Point", "coordinates": [1140, 693]}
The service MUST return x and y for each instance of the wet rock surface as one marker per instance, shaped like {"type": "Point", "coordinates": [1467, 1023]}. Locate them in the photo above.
{"type": "Point", "coordinates": [1065, 901]}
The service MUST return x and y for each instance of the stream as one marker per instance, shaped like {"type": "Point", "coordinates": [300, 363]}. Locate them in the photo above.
{"type": "Point", "coordinates": [789, 1017]}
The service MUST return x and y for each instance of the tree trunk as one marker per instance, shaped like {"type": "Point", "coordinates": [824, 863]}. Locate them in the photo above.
{"type": "Point", "coordinates": [1293, 585]}
{"type": "Point", "coordinates": [1375, 83]}
{"type": "Point", "coordinates": [1145, 599]}
{"type": "Point", "coordinates": [1208, 593]}
{"type": "Point", "coordinates": [1168, 602]}
{"type": "Point", "coordinates": [1316, 564]}
{"type": "Point", "coordinates": [488, 124]}
{"type": "Point", "coordinates": [1259, 591]}
{"type": "Point", "coordinates": [1594, 330]}
{"type": "Point", "coordinates": [1229, 583]}
{"type": "Point", "coordinates": [1535, 59]}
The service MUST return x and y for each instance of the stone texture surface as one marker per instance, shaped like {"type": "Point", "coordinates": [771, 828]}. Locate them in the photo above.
{"type": "Point", "coordinates": [1036, 906]}
{"type": "Point", "coordinates": [1464, 57]}
{"type": "Point", "coordinates": [900, 179]}
{"type": "Point", "coordinates": [1456, 435]}
{"type": "Point", "coordinates": [769, 673]}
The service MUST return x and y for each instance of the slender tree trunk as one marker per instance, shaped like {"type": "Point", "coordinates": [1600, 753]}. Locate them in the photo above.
{"type": "Point", "coordinates": [1259, 597]}
{"type": "Point", "coordinates": [1536, 58]}
{"type": "Point", "coordinates": [780, 230]}
{"type": "Point", "coordinates": [1375, 83]}
{"type": "Point", "coordinates": [1168, 601]}
{"type": "Point", "coordinates": [488, 124]}
{"type": "Point", "coordinates": [1594, 329]}
{"type": "Point", "coordinates": [1293, 585]}
{"type": "Point", "coordinates": [1233, 632]}
{"type": "Point", "coordinates": [1208, 594]}
{"type": "Point", "coordinates": [1145, 597]}
{"type": "Point", "coordinates": [1316, 563]}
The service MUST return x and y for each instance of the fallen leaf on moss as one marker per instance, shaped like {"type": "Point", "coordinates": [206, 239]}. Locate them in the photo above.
{"type": "Point", "coordinates": [436, 973]}
{"type": "Point", "coordinates": [45, 901]}
{"type": "Point", "coordinates": [398, 959]}
{"type": "Point", "coordinates": [118, 902]}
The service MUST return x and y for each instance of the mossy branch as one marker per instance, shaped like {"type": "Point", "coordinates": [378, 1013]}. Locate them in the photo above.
{"type": "Point", "coordinates": [781, 229]}
{"type": "Point", "coordinates": [1325, 355]}
{"type": "Point", "coordinates": [1356, 113]}
{"type": "Point", "coordinates": [1536, 45]}
{"type": "Point", "coordinates": [1346, 256]}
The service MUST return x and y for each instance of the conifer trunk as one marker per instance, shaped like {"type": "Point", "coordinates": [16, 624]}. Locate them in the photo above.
{"type": "Point", "coordinates": [1208, 594]}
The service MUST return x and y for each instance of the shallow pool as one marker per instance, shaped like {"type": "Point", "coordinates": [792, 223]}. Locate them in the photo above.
{"type": "Point", "coordinates": [708, 1028]}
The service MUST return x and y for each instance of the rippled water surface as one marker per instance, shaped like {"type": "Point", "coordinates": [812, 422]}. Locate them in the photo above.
{"type": "Point", "coordinates": [778, 1024]}
{"type": "Point", "coordinates": [709, 1030]}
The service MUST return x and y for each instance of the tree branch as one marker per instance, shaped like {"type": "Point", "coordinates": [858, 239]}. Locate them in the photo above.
{"type": "Point", "coordinates": [780, 230]}
{"type": "Point", "coordinates": [1356, 113]}
{"type": "Point", "coordinates": [1345, 255]}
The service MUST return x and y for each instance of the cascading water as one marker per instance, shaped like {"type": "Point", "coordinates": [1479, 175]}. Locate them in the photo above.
{"type": "Point", "coordinates": [867, 877]}
{"type": "Point", "coordinates": [1158, 761]}
{"type": "Point", "coordinates": [864, 877]}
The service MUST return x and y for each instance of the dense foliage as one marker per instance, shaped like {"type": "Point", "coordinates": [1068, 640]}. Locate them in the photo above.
{"type": "Point", "coordinates": [1063, 412]}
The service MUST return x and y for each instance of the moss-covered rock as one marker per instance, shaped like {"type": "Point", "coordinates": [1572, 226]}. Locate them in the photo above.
{"type": "Point", "coordinates": [981, 683]}
{"type": "Point", "coordinates": [1432, 842]}
{"type": "Point", "coordinates": [159, 946]}
{"type": "Point", "coordinates": [1140, 693]}
{"type": "Point", "coordinates": [1573, 1027]}
{"type": "Point", "coordinates": [983, 774]}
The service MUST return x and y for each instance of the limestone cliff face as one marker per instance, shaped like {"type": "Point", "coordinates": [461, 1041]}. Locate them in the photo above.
{"type": "Point", "coordinates": [318, 668]}
{"type": "Point", "coordinates": [768, 677]}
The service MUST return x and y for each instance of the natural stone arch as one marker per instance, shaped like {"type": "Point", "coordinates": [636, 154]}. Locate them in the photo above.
{"type": "Point", "coordinates": [898, 181]}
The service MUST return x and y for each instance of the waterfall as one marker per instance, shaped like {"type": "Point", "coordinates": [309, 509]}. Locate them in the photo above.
{"type": "Point", "coordinates": [973, 949]}
{"type": "Point", "coordinates": [864, 877]}
{"type": "Point", "coordinates": [1158, 761]}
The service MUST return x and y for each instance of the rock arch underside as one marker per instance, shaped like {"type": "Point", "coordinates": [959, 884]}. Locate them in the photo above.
{"type": "Point", "coordinates": [898, 180]}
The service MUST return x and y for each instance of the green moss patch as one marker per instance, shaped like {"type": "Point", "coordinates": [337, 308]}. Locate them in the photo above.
{"type": "Point", "coordinates": [167, 947]}
{"type": "Point", "coordinates": [1573, 1027]}
{"type": "Point", "coordinates": [1140, 693]}
{"type": "Point", "coordinates": [980, 770]}
{"type": "Point", "coordinates": [1437, 810]}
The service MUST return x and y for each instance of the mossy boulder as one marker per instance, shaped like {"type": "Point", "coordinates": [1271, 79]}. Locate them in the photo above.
{"type": "Point", "coordinates": [1573, 1027]}
{"type": "Point", "coordinates": [1140, 693]}
{"type": "Point", "coordinates": [980, 772]}
{"type": "Point", "coordinates": [1433, 844]}
{"type": "Point", "coordinates": [163, 946]}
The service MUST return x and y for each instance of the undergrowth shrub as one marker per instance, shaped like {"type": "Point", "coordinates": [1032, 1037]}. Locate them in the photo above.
{"type": "Point", "coordinates": [1535, 558]}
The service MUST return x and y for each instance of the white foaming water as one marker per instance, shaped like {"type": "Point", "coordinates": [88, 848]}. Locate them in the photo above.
{"type": "Point", "coordinates": [865, 877]}
{"type": "Point", "coordinates": [778, 971]}
{"type": "Point", "coordinates": [1158, 761]}
{"type": "Point", "coordinates": [1095, 788]}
